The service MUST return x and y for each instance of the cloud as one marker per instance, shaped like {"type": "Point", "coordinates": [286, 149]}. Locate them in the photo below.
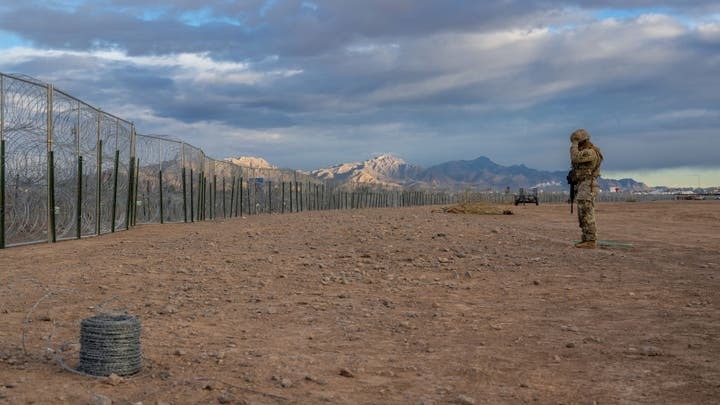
{"type": "Point", "coordinates": [186, 67]}
{"type": "Point", "coordinates": [687, 114]}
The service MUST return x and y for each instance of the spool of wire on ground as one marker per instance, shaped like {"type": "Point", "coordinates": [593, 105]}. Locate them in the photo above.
{"type": "Point", "coordinates": [110, 344]}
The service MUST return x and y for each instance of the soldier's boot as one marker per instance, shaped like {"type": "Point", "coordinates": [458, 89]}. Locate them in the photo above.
{"type": "Point", "coordinates": [588, 244]}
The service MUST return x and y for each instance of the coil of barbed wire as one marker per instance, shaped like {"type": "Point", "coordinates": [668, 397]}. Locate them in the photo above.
{"type": "Point", "coordinates": [110, 344]}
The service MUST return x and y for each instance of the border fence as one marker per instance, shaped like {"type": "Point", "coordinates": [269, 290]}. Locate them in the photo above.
{"type": "Point", "coordinates": [69, 170]}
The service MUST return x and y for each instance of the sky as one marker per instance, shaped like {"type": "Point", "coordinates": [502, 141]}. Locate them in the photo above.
{"type": "Point", "coordinates": [308, 84]}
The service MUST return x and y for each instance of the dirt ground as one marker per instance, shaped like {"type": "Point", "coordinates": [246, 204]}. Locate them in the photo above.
{"type": "Point", "coordinates": [381, 306]}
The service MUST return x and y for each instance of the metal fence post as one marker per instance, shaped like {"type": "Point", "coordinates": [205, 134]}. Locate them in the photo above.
{"type": "Point", "coordinates": [115, 185]}
{"type": "Point", "coordinates": [298, 196]}
{"type": "Point", "coordinates": [297, 203]}
{"type": "Point", "coordinates": [2, 162]}
{"type": "Point", "coordinates": [240, 199]}
{"type": "Point", "coordinates": [132, 206]}
{"type": "Point", "coordinates": [135, 193]}
{"type": "Point", "coordinates": [290, 190]}
{"type": "Point", "coordinates": [98, 198]}
{"type": "Point", "coordinates": [201, 196]}
{"type": "Point", "coordinates": [208, 197]}
{"type": "Point", "coordinates": [2, 193]}
{"type": "Point", "coordinates": [232, 197]}
{"type": "Point", "coordinates": [255, 204]}
{"type": "Point", "coordinates": [247, 200]}
{"type": "Point", "coordinates": [116, 165]}
{"type": "Point", "coordinates": [50, 167]}
{"type": "Point", "coordinates": [184, 180]}
{"type": "Point", "coordinates": [51, 203]}
{"type": "Point", "coordinates": [192, 197]}
{"type": "Point", "coordinates": [317, 197]}
{"type": "Point", "coordinates": [162, 216]}
{"type": "Point", "coordinates": [78, 209]}
{"type": "Point", "coordinates": [184, 191]}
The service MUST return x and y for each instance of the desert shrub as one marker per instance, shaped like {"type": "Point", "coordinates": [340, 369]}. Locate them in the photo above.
{"type": "Point", "coordinates": [477, 208]}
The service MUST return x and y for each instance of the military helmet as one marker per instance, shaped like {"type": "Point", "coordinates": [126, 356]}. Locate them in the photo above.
{"type": "Point", "coordinates": [579, 136]}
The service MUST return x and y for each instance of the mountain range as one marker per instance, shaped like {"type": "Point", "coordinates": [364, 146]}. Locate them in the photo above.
{"type": "Point", "coordinates": [479, 174]}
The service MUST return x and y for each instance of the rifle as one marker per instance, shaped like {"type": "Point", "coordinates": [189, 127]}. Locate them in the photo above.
{"type": "Point", "coordinates": [572, 181]}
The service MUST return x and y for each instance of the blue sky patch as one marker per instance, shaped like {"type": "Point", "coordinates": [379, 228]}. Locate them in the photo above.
{"type": "Point", "coordinates": [622, 14]}
{"type": "Point", "coordinates": [204, 16]}
{"type": "Point", "coordinates": [269, 4]}
{"type": "Point", "coordinates": [152, 13]}
{"type": "Point", "coordinates": [10, 40]}
{"type": "Point", "coordinates": [310, 5]}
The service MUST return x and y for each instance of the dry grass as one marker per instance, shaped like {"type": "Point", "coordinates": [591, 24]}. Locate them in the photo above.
{"type": "Point", "coordinates": [477, 208]}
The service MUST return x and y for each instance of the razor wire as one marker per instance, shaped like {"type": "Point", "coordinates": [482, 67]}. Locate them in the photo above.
{"type": "Point", "coordinates": [158, 162]}
{"type": "Point", "coordinates": [225, 178]}
{"type": "Point", "coordinates": [25, 161]}
{"type": "Point", "coordinates": [123, 149]}
{"type": "Point", "coordinates": [87, 161]}
{"type": "Point", "coordinates": [110, 344]}
{"type": "Point", "coordinates": [64, 120]}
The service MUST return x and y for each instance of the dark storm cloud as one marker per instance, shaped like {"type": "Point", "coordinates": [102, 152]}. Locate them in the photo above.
{"type": "Point", "coordinates": [248, 114]}
{"type": "Point", "coordinates": [92, 26]}
{"type": "Point", "coordinates": [285, 28]}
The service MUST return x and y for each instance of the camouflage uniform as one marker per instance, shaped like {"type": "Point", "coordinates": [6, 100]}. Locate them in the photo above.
{"type": "Point", "coordinates": [586, 165]}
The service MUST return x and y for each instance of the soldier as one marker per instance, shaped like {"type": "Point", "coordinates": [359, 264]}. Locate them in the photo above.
{"type": "Point", "coordinates": [586, 159]}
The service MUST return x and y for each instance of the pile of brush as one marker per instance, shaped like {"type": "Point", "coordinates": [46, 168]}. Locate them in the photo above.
{"type": "Point", "coordinates": [477, 208]}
